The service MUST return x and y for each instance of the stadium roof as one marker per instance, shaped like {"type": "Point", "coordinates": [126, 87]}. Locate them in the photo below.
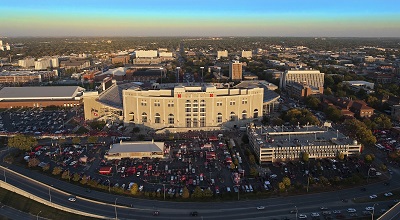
{"type": "Point", "coordinates": [40, 92]}
{"type": "Point", "coordinates": [145, 146]}
{"type": "Point", "coordinates": [113, 95]}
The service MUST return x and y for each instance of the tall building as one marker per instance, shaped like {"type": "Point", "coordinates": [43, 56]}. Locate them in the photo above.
{"type": "Point", "coordinates": [235, 70]}
{"type": "Point", "coordinates": [27, 62]}
{"type": "Point", "coordinates": [247, 54]}
{"type": "Point", "coordinates": [146, 53]}
{"type": "Point", "coordinates": [312, 78]}
{"type": "Point", "coordinates": [42, 64]}
{"type": "Point", "coordinates": [221, 54]}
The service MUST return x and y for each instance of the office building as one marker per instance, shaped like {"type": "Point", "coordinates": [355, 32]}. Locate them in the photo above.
{"type": "Point", "coordinates": [13, 77]}
{"type": "Point", "coordinates": [235, 70]}
{"type": "Point", "coordinates": [302, 83]}
{"type": "Point", "coordinates": [221, 54]}
{"type": "Point", "coordinates": [280, 143]}
{"type": "Point", "coordinates": [27, 62]}
{"type": "Point", "coordinates": [146, 53]}
{"type": "Point", "coordinates": [247, 54]}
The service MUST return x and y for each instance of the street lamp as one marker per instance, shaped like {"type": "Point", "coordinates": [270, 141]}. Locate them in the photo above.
{"type": "Point", "coordinates": [373, 211]}
{"type": "Point", "coordinates": [368, 174]}
{"type": "Point", "coordinates": [49, 195]}
{"type": "Point", "coordinates": [296, 211]}
{"type": "Point", "coordinates": [115, 206]}
{"type": "Point", "coordinates": [164, 190]}
{"type": "Point", "coordinates": [202, 78]}
{"type": "Point", "coordinates": [5, 178]}
{"type": "Point", "coordinates": [37, 216]}
{"type": "Point", "coordinates": [161, 70]}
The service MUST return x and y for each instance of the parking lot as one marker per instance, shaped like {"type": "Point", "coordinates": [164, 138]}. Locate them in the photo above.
{"type": "Point", "coordinates": [37, 121]}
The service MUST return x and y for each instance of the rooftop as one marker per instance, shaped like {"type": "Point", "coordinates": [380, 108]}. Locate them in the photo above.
{"type": "Point", "coordinates": [145, 146]}
{"type": "Point", "coordinates": [40, 92]}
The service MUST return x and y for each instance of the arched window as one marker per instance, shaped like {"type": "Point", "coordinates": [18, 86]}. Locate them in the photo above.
{"type": "Point", "coordinates": [132, 116]}
{"type": "Point", "coordinates": [144, 117]}
{"type": "Point", "coordinates": [157, 118]}
{"type": "Point", "coordinates": [219, 117]}
{"type": "Point", "coordinates": [171, 119]}
{"type": "Point", "coordinates": [233, 116]}
{"type": "Point", "coordinates": [255, 115]}
{"type": "Point", "coordinates": [244, 114]}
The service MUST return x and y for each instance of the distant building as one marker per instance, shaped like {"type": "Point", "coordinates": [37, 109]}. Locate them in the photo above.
{"type": "Point", "coordinates": [42, 64]}
{"type": "Point", "coordinates": [357, 85]}
{"type": "Point", "coordinates": [146, 53]}
{"type": "Point", "coordinates": [235, 70]}
{"type": "Point", "coordinates": [123, 59]}
{"type": "Point", "coordinates": [221, 54]}
{"type": "Point", "coordinates": [395, 112]}
{"type": "Point", "coordinates": [27, 62]}
{"type": "Point", "coordinates": [302, 83]}
{"type": "Point", "coordinates": [11, 77]}
{"type": "Point", "coordinates": [40, 96]}
{"type": "Point", "coordinates": [75, 64]}
{"type": "Point", "coordinates": [247, 54]}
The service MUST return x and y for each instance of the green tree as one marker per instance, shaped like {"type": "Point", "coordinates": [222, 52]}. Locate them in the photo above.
{"type": "Point", "coordinates": [305, 156]}
{"type": "Point", "coordinates": [281, 186]}
{"type": "Point", "coordinates": [61, 141]}
{"type": "Point", "coordinates": [197, 193]}
{"type": "Point", "coordinates": [341, 156]}
{"type": "Point", "coordinates": [56, 171]}
{"type": "Point", "coordinates": [253, 172]}
{"type": "Point", "coordinates": [66, 175]}
{"type": "Point", "coordinates": [185, 193]}
{"type": "Point", "coordinates": [312, 102]}
{"type": "Point", "coordinates": [92, 139]}
{"type": "Point", "coordinates": [369, 158]}
{"type": "Point", "coordinates": [232, 166]}
{"type": "Point", "coordinates": [46, 168]}
{"type": "Point", "coordinates": [333, 114]}
{"type": "Point", "coordinates": [76, 177]}
{"type": "Point", "coordinates": [207, 193]}
{"type": "Point", "coordinates": [135, 189]}
{"type": "Point", "coordinates": [286, 181]}
{"type": "Point", "coordinates": [76, 140]}
{"type": "Point", "coordinates": [382, 121]}
{"type": "Point", "coordinates": [22, 142]}
{"type": "Point", "coordinates": [33, 162]}
{"type": "Point", "coordinates": [84, 180]}
{"type": "Point", "coordinates": [252, 159]}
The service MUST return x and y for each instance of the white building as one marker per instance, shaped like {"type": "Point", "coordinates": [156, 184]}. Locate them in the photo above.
{"type": "Point", "coordinates": [146, 53]}
{"type": "Point", "coordinates": [312, 78]}
{"type": "Point", "coordinates": [247, 54]}
{"type": "Point", "coordinates": [27, 62]}
{"type": "Point", "coordinates": [221, 54]}
{"type": "Point", "coordinates": [42, 64]}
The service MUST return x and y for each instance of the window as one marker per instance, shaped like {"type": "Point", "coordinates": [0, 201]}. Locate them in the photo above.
{"type": "Point", "coordinates": [144, 117]}
{"type": "Point", "coordinates": [188, 122]}
{"type": "Point", "coordinates": [132, 115]}
{"type": "Point", "coordinates": [157, 103]}
{"type": "Point", "coordinates": [157, 118]}
{"type": "Point", "coordinates": [219, 117]}
{"type": "Point", "coordinates": [202, 103]}
{"type": "Point", "coordinates": [232, 103]}
{"type": "Point", "coordinates": [202, 122]}
{"type": "Point", "coordinates": [143, 103]}
{"type": "Point", "coordinates": [233, 116]}
{"type": "Point", "coordinates": [170, 104]}
{"type": "Point", "coordinates": [171, 119]}
{"type": "Point", "coordinates": [255, 113]}
{"type": "Point", "coordinates": [244, 115]}
{"type": "Point", "coordinates": [195, 122]}
{"type": "Point", "coordinates": [202, 109]}
{"type": "Point", "coordinates": [219, 103]}
{"type": "Point", "coordinates": [244, 101]}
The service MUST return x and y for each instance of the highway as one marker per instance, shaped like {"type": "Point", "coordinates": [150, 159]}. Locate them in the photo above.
{"type": "Point", "coordinates": [143, 209]}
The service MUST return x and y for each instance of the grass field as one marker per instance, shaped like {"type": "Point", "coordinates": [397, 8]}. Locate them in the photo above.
{"type": "Point", "coordinates": [27, 205]}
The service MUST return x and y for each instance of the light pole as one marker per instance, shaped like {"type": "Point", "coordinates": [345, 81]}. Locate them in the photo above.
{"type": "Point", "coordinates": [202, 78]}
{"type": "Point", "coordinates": [5, 178]}
{"type": "Point", "coordinates": [161, 69]}
{"type": "Point", "coordinates": [368, 174]}
{"type": "Point", "coordinates": [37, 216]}
{"type": "Point", "coordinates": [373, 211]}
{"type": "Point", "coordinates": [296, 211]}
{"type": "Point", "coordinates": [164, 190]}
{"type": "Point", "coordinates": [115, 206]}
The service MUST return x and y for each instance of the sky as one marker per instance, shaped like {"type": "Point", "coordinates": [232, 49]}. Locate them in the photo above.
{"type": "Point", "coordinates": [297, 18]}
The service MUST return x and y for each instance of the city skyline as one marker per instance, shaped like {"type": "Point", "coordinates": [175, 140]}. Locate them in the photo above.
{"type": "Point", "coordinates": [205, 18]}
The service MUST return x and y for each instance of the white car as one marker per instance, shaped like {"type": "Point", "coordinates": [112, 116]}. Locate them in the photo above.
{"type": "Point", "coordinates": [373, 196]}
{"type": "Point", "coordinates": [302, 216]}
{"type": "Point", "coordinates": [315, 214]}
{"type": "Point", "coordinates": [260, 208]}
{"type": "Point", "coordinates": [72, 199]}
{"type": "Point", "coordinates": [336, 211]}
{"type": "Point", "coordinates": [388, 194]}
{"type": "Point", "coordinates": [351, 210]}
{"type": "Point", "coordinates": [369, 208]}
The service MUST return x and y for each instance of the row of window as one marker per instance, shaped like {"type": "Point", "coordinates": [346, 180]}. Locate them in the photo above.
{"type": "Point", "coordinates": [194, 104]}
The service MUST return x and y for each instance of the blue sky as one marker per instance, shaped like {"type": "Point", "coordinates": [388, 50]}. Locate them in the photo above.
{"type": "Point", "coordinates": [351, 18]}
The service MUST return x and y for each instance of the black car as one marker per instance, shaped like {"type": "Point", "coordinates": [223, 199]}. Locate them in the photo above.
{"type": "Point", "coordinates": [194, 213]}
{"type": "Point", "coordinates": [156, 213]}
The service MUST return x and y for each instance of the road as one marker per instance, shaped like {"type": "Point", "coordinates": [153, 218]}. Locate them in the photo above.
{"type": "Point", "coordinates": [142, 209]}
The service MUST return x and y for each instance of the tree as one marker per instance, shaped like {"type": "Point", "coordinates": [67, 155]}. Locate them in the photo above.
{"type": "Point", "coordinates": [232, 166]}
{"type": "Point", "coordinates": [369, 158]}
{"type": "Point", "coordinates": [185, 193]}
{"type": "Point", "coordinates": [84, 180]}
{"type": "Point", "coordinates": [305, 156]}
{"type": "Point", "coordinates": [56, 171]}
{"type": "Point", "coordinates": [333, 114]}
{"type": "Point", "coordinates": [252, 159]}
{"type": "Point", "coordinates": [22, 142]}
{"type": "Point", "coordinates": [33, 162]}
{"type": "Point", "coordinates": [66, 175]}
{"type": "Point", "coordinates": [207, 193]}
{"type": "Point", "coordinates": [281, 186]}
{"type": "Point", "coordinates": [76, 177]}
{"type": "Point", "coordinates": [92, 139]}
{"type": "Point", "coordinates": [312, 102]}
{"type": "Point", "coordinates": [46, 167]}
{"type": "Point", "coordinates": [76, 140]}
{"type": "Point", "coordinates": [197, 193]}
{"type": "Point", "coordinates": [135, 189]}
{"type": "Point", "coordinates": [245, 139]}
{"type": "Point", "coordinates": [253, 172]}
{"type": "Point", "coordinates": [61, 141]}
{"type": "Point", "coordinates": [286, 181]}
{"type": "Point", "coordinates": [341, 156]}
{"type": "Point", "coordinates": [382, 121]}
